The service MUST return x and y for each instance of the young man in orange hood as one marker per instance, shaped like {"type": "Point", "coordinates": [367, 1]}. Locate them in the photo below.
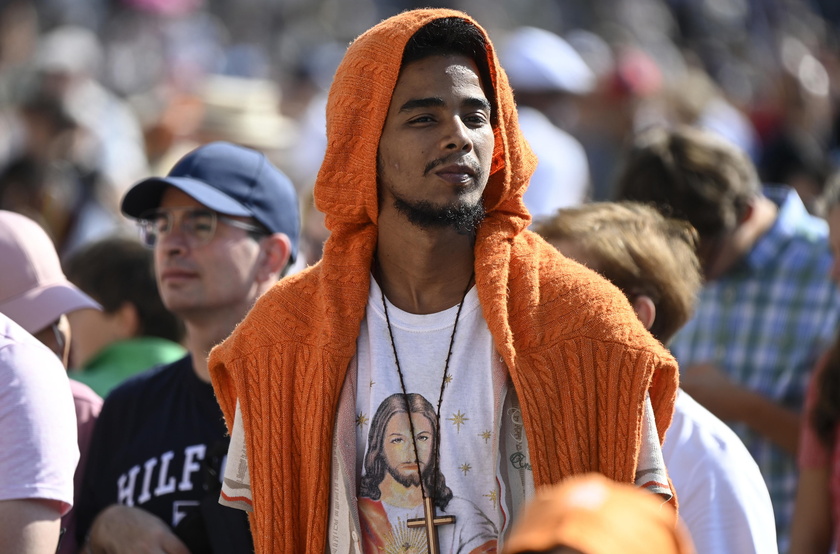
{"type": "Point", "coordinates": [440, 360]}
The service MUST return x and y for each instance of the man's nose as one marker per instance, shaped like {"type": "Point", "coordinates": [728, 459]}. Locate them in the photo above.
{"type": "Point", "coordinates": [174, 239]}
{"type": "Point", "coordinates": [457, 136]}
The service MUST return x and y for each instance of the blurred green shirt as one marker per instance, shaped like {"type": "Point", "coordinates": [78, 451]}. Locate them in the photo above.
{"type": "Point", "coordinates": [122, 359]}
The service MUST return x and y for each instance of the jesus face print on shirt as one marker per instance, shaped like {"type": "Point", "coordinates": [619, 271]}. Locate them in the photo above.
{"type": "Point", "coordinates": [390, 469]}
{"type": "Point", "coordinates": [390, 492]}
{"type": "Point", "coordinates": [404, 466]}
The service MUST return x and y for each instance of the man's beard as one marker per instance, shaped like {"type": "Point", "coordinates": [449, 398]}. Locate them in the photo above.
{"type": "Point", "coordinates": [464, 218]}
{"type": "Point", "coordinates": [407, 479]}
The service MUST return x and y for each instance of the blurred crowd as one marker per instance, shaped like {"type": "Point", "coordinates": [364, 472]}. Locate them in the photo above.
{"type": "Point", "coordinates": [95, 94]}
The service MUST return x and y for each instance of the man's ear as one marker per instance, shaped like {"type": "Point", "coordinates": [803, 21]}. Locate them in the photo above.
{"type": "Point", "coordinates": [126, 320]}
{"type": "Point", "coordinates": [277, 249]}
{"type": "Point", "coordinates": [645, 310]}
{"type": "Point", "coordinates": [749, 210]}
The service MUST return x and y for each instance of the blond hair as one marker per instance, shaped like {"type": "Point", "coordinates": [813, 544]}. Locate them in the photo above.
{"type": "Point", "coordinates": [641, 251]}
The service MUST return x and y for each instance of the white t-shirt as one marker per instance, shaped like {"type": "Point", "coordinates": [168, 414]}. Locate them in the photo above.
{"type": "Point", "coordinates": [484, 454]}
{"type": "Point", "coordinates": [38, 447]}
{"type": "Point", "coordinates": [723, 499]}
{"type": "Point", "coordinates": [469, 412]}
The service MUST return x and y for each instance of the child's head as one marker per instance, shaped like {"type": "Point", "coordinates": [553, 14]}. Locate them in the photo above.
{"type": "Point", "coordinates": [650, 257]}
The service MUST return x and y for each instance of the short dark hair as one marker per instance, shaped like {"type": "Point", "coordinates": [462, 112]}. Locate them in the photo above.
{"type": "Point", "coordinates": [452, 36]}
{"type": "Point", "coordinates": [117, 270]}
{"type": "Point", "coordinates": [691, 174]}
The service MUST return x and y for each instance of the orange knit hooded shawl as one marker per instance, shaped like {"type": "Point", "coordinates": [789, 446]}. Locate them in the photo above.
{"type": "Point", "coordinates": [578, 358]}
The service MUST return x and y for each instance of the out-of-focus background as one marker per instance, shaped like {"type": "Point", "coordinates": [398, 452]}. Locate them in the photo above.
{"type": "Point", "coordinates": [95, 94]}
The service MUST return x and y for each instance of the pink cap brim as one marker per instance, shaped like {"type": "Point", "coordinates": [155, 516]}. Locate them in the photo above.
{"type": "Point", "coordinates": [38, 307]}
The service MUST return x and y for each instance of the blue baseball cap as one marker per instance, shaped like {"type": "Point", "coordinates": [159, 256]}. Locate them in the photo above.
{"type": "Point", "coordinates": [229, 179]}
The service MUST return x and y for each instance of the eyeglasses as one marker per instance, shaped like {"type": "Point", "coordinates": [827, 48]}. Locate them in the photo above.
{"type": "Point", "coordinates": [198, 225]}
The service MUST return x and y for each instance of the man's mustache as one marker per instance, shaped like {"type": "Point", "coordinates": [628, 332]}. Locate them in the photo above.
{"type": "Point", "coordinates": [471, 163]}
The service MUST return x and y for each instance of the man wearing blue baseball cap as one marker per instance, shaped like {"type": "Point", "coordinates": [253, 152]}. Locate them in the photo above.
{"type": "Point", "coordinates": [224, 225]}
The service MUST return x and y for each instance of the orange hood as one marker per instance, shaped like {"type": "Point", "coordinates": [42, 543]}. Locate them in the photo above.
{"type": "Point", "coordinates": [356, 110]}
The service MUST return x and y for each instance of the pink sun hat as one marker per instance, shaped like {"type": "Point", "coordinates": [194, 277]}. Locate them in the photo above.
{"type": "Point", "coordinates": [33, 289]}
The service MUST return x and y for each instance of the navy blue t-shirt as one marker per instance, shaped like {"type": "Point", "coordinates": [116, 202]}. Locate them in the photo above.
{"type": "Point", "coordinates": [150, 444]}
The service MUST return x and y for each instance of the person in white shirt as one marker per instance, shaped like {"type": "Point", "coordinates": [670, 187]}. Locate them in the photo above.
{"type": "Point", "coordinates": [38, 450]}
{"type": "Point", "coordinates": [723, 499]}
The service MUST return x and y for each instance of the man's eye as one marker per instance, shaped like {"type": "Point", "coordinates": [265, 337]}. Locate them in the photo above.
{"type": "Point", "coordinates": [201, 222]}
{"type": "Point", "coordinates": [476, 120]}
{"type": "Point", "coordinates": [161, 224]}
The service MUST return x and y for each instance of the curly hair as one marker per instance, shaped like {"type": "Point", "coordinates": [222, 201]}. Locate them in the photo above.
{"type": "Point", "coordinates": [452, 36]}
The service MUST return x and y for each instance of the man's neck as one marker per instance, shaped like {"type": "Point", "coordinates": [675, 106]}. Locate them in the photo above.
{"type": "Point", "coordinates": [762, 217]}
{"type": "Point", "coordinates": [203, 333]}
{"type": "Point", "coordinates": [423, 271]}
{"type": "Point", "coordinates": [766, 212]}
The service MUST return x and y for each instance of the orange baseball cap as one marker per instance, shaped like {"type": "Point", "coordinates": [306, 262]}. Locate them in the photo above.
{"type": "Point", "coordinates": [594, 515]}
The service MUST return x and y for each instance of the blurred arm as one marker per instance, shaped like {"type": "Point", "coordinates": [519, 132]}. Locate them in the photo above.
{"type": "Point", "coordinates": [29, 526]}
{"type": "Point", "coordinates": [122, 529]}
{"type": "Point", "coordinates": [734, 403]}
{"type": "Point", "coordinates": [811, 529]}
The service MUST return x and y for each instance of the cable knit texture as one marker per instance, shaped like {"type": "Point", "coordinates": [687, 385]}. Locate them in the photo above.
{"type": "Point", "coordinates": [578, 357]}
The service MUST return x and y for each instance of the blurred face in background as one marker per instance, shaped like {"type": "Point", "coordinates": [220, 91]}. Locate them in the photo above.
{"type": "Point", "coordinates": [197, 280]}
{"type": "Point", "coordinates": [93, 330]}
{"type": "Point", "coordinates": [56, 336]}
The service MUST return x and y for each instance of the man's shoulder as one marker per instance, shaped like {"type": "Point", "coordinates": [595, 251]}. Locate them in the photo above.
{"type": "Point", "coordinates": [795, 250]}
{"type": "Point", "coordinates": [558, 273]}
{"type": "Point", "coordinates": [698, 432]}
{"type": "Point", "coordinates": [19, 349]}
{"type": "Point", "coordinates": [793, 221]}
{"type": "Point", "coordinates": [152, 381]}
{"type": "Point", "coordinates": [583, 291]}
{"type": "Point", "coordinates": [150, 395]}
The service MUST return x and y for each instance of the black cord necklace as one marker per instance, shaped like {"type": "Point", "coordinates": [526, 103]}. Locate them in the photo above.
{"type": "Point", "coordinates": [429, 521]}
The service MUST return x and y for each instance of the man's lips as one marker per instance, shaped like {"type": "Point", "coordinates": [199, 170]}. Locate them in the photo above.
{"type": "Point", "coordinates": [175, 274]}
{"type": "Point", "coordinates": [456, 173]}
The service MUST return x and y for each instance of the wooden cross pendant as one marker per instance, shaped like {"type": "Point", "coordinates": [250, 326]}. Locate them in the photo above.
{"type": "Point", "coordinates": [430, 521]}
